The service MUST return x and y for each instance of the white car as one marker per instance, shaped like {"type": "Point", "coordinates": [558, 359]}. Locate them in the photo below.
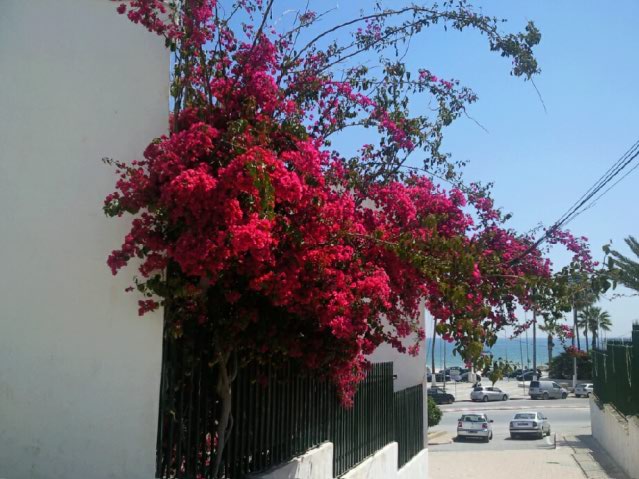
{"type": "Point", "coordinates": [529, 424]}
{"type": "Point", "coordinates": [583, 390]}
{"type": "Point", "coordinates": [475, 425]}
{"type": "Point", "coordinates": [483, 393]}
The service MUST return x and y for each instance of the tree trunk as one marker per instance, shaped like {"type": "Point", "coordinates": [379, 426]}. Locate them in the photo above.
{"type": "Point", "coordinates": [578, 341]}
{"type": "Point", "coordinates": [227, 371]}
{"type": "Point", "coordinates": [586, 336]}
{"type": "Point", "coordinates": [550, 346]}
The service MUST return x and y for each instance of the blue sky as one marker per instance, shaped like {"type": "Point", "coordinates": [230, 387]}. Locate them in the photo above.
{"type": "Point", "coordinates": [542, 161]}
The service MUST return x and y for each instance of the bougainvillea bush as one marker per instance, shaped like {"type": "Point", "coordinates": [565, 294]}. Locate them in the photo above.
{"type": "Point", "coordinates": [248, 226]}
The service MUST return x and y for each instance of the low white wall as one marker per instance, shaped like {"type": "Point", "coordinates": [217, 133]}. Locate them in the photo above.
{"type": "Point", "coordinates": [315, 464]}
{"type": "Point", "coordinates": [318, 464]}
{"type": "Point", "coordinates": [79, 370]}
{"type": "Point", "coordinates": [416, 468]}
{"type": "Point", "coordinates": [382, 465]}
{"type": "Point", "coordinates": [618, 435]}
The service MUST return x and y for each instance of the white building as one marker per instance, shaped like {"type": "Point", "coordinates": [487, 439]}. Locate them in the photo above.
{"type": "Point", "coordinates": [79, 370]}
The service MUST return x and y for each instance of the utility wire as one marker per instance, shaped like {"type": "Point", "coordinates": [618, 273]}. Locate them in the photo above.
{"type": "Point", "coordinates": [576, 209]}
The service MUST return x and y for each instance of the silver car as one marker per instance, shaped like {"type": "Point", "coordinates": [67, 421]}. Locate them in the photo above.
{"type": "Point", "coordinates": [475, 425]}
{"type": "Point", "coordinates": [485, 394]}
{"type": "Point", "coordinates": [529, 424]}
{"type": "Point", "coordinates": [547, 390]}
{"type": "Point", "coordinates": [584, 390]}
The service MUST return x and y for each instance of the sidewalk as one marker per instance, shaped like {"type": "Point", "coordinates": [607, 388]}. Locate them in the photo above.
{"type": "Point", "coordinates": [576, 457]}
{"type": "Point", "coordinates": [593, 461]}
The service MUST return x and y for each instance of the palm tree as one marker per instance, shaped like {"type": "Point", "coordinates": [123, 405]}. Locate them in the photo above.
{"type": "Point", "coordinates": [594, 319]}
{"type": "Point", "coordinates": [626, 269]}
{"type": "Point", "coordinates": [548, 329]}
{"type": "Point", "coordinates": [605, 324]}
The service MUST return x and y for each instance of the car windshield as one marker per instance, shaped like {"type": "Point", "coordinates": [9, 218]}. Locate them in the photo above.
{"type": "Point", "coordinates": [525, 416]}
{"type": "Point", "coordinates": [473, 418]}
{"type": "Point", "coordinates": [534, 384]}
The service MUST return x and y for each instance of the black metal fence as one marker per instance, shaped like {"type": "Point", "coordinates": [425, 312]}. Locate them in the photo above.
{"type": "Point", "coordinates": [277, 415]}
{"type": "Point", "coordinates": [616, 374]}
{"type": "Point", "coordinates": [409, 422]}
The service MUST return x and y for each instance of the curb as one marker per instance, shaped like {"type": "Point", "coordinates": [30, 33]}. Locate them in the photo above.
{"type": "Point", "coordinates": [438, 438]}
{"type": "Point", "coordinates": [510, 408]}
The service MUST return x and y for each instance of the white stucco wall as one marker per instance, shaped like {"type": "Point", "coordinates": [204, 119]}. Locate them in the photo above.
{"type": "Point", "coordinates": [315, 464]}
{"type": "Point", "coordinates": [410, 370]}
{"type": "Point", "coordinates": [79, 370]}
{"type": "Point", "coordinates": [382, 465]}
{"type": "Point", "coordinates": [416, 468]}
{"type": "Point", "coordinates": [619, 436]}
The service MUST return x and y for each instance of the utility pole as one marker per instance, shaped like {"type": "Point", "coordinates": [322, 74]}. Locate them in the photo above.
{"type": "Point", "coordinates": [535, 343]}
{"type": "Point", "coordinates": [574, 332]}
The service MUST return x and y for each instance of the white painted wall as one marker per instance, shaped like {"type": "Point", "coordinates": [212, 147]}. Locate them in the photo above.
{"type": "Point", "coordinates": [618, 435]}
{"type": "Point", "coordinates": [318, 464]}
{"type": "Point", "coordinates": [315, 464]}
{"type": "Point", "coordinates": [382, 465]}
{"type": "Point", "coordinates": [410, 370]}
{"type": "Point", "coordinates": [79, 371]}
{"type": "Point", "coordinates": [416, 468]}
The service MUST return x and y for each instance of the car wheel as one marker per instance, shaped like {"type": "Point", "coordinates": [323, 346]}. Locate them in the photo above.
{"type": "Point", "coordinates": [588, 395]}
{"type": "Point", "coordinates": [491, 435]}
{"type": "Point", "coordinates": [564, 396]}
{"type": "Point", "coordinates": [577, 395]}
{"type": "Point", "coordinates": [514, 436]}
{"type": "Point", "coordinates": [485, 399]}
{"type": "Point", "coordinates": [545, 395]}
{"type": "Point", "coordinates": [505, 398]}
{"type": "Point", "coordinates": [486, 439]}
{"type": "Point", "coordinates": [541, 435]}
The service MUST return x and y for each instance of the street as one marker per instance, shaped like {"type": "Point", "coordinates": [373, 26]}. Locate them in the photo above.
{"type": "Point", "coordinates": [569, 452]}
{"type": "Point", "coordinates": [568, 417]}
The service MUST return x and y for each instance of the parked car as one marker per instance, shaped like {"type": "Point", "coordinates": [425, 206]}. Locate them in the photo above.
{"type": "Point", "coordinates": [465, 377]}
{"type": "Point", "coordinates": [585, 389]}
{"type": "Point", "coordinates": [440, 396]}
{"type": "Point", "coordinates": [483, 393]}
{"type": "Point", "coordinates": [475, 425]}
{"type": "Point", "coordinates": [441, 377]}
{"type": "Point", "coordinates": [529, 424]}
{"type": "Point", "coordinates": [546, 390]}
{"type": "Point", "coordinates": [528, 375]}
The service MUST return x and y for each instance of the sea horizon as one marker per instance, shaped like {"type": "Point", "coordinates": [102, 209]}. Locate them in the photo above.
{"type": "Point", "coordinates": [517, 350]}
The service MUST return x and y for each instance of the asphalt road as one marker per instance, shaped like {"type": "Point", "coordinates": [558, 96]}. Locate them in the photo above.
{"type": "Point", "coordinates": [566, 416]}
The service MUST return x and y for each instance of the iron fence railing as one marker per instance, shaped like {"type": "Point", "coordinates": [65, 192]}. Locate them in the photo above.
{"type": "Point", "coordinates": [409, 422]}
{"type": "Point", "coordinates": [277, 415]}
{"type": "Point", "coordinates": [616, 374]}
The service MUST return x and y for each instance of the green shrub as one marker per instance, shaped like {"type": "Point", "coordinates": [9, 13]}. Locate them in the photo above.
{"type": "Point", "coordinates": [434, 413]}
{"type": "Point", "coordinates": [561, 367]}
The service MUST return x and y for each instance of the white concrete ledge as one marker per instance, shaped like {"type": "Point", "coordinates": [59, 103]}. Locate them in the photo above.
{"type": "Point", "coordinates": [416, 468]}
{"type": "Point", "coordinates": [618, 435]}
{"type": "Point", "coordinates": [315, 464]}
{"type": "Point", "coordinates": [381, 465]}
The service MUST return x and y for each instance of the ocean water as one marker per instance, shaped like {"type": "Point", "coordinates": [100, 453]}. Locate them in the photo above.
{"type": "Point", "coordinates": [518, 350]}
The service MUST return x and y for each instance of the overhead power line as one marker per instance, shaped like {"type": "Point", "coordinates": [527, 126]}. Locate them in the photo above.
{"type": "Point", "coordinates": [584, 202]}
